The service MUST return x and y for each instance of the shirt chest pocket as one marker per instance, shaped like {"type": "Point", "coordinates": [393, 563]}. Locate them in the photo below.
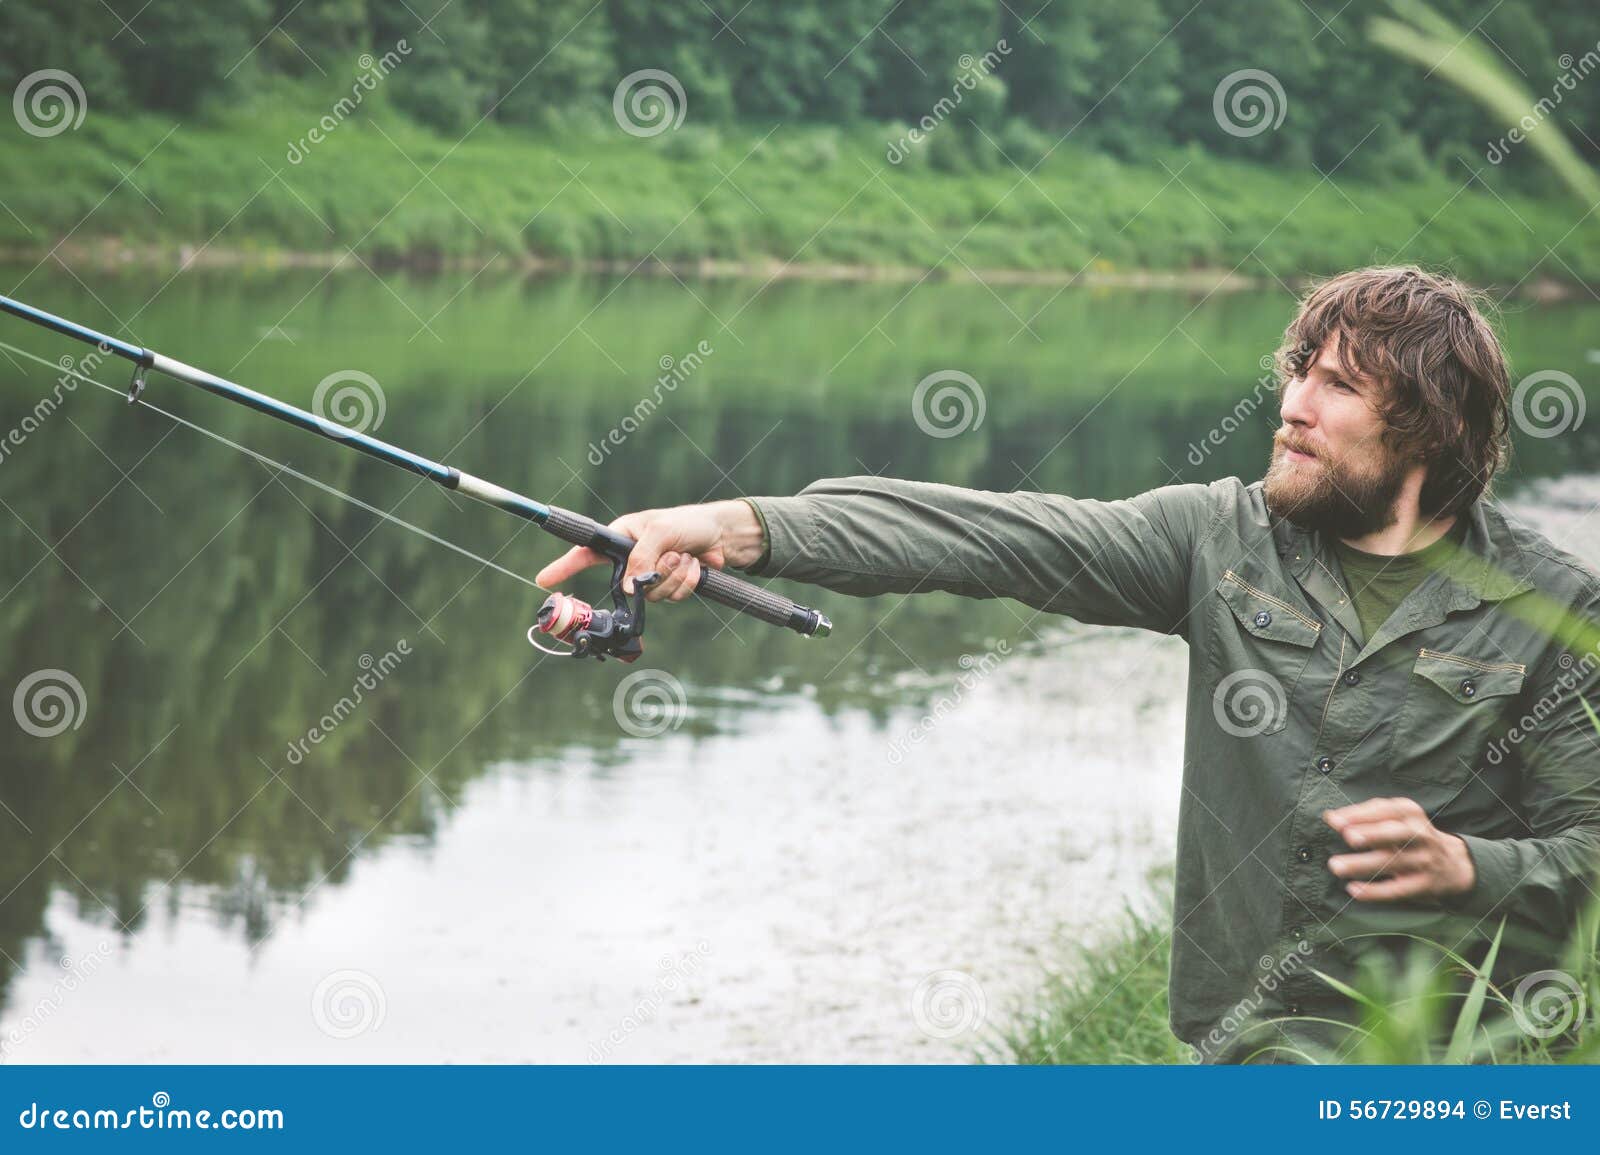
{"type": "Point", "coordinates": [1456, 704]}
{"type": "Point", "coordinates": [1263, 645]}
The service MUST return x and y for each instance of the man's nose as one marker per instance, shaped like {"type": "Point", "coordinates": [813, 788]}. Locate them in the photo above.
{"type": "Point", "coordinates": [1295, 408]}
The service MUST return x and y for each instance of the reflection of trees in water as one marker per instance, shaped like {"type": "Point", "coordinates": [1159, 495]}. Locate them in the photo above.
{"type": "Point", "coordinates": [201, 728]}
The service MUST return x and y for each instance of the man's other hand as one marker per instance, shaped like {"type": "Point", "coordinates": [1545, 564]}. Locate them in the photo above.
{"type": "Point", "coordinates": [1399, 852]}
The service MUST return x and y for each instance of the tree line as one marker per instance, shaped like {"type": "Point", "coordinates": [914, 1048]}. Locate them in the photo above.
{"type": "Point", "coordinates": [1124, 77]}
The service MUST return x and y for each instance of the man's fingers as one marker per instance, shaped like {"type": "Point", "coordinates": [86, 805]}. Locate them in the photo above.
{"type": "Point", "coordinates": [689, 567]}
{"type": "Point", "coordinates": [1373, 863]}
{"type": "Point", "coordinates": [1372, 809]}
{"type": "Point", "coordinates": [1390, 889]}
{"type": "Point", "coordinates": [1390, 832]}
{"type": "Point", "coordinates": [670, 567]}
{"type": "Point", "coordinates": [575, 560]}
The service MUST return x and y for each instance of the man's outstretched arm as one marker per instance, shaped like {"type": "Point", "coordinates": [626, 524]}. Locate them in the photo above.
{"type": "Point", "coordinates": [1121, 562]}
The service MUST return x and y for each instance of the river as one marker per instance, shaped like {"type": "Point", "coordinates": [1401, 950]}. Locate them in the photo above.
{"type": "Point", "coordinates": [862, 848]}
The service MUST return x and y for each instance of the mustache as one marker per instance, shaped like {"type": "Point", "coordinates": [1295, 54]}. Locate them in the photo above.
{"type": "Point", "coordinates": [1285, 442]}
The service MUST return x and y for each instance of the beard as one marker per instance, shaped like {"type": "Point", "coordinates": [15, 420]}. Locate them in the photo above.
{"type": "Point", "coordinates": [1333, 495]}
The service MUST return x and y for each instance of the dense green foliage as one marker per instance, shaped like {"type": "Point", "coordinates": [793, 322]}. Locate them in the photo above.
{"type": "Point", "coordinates": [1121, 78]}
{"type": "Point", "coordinates": [808, 195]}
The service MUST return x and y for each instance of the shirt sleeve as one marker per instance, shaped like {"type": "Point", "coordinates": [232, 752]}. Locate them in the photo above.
{"type": "Point", "coordinates": [1542, 881]}
{"type": "Point", "coordinates": [1124, 562]}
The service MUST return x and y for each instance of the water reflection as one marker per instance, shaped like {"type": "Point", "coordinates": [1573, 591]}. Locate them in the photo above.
{"type": "Point", "coordinates": [216, 614]}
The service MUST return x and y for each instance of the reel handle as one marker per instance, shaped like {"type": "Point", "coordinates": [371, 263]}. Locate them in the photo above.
{"type": "Point", "coordinates": [715, 585]}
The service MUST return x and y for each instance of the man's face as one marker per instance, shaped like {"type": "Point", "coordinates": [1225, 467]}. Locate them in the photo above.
{"type": "Point", "coordinates": [1330, 468]}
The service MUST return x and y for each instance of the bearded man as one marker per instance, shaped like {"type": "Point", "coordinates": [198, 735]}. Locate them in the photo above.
{"type": "Point", "coordinates": [1386, 736]}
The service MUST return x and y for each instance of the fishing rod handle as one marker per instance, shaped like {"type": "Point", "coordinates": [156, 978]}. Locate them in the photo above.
{"type": "Point", "coordinates": [714, 584]}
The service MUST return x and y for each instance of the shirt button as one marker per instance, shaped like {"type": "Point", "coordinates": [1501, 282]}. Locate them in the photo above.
{"type": "Point", "coordinates": [1263, 619]}
{"type": "Point", "coordinates": [1303, 854]}
{"type": "Point", "coordinates": [1352, 677]}
{"type": "Point", "coordinates": [1325, 764]}
{"type": "Point", "coordinates": [1469, 688]}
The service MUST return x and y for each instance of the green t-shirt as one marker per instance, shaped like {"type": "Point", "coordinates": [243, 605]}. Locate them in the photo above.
{"type": "Point", "coordinates": [1379, 582]}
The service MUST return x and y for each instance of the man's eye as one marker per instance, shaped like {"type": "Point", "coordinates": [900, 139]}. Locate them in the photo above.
{"type": "Point", "coordinates": [1345, 385]}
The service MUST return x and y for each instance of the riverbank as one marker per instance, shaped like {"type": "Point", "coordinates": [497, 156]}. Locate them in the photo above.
{"type": "Point", "coordinates": [793, 201]}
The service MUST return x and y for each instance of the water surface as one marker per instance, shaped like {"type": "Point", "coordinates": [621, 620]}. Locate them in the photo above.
{"type": "Point", "coordinates": [480, 861]}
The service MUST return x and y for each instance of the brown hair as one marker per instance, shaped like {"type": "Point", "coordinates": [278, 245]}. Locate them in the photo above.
{"type": "Point", "coordinates": [1426, 340]}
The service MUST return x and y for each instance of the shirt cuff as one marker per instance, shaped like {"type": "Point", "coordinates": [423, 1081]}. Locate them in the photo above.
{"type": "Point", "coordinates": [755, 567]}
{"type": "Point", "coordinates": [1495, 863]}
{"type": "Point", "coordinates": [786, 527]}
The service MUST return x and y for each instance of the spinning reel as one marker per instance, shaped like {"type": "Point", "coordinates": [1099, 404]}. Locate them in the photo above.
{"type": "Point", "coordinates": [616, 633]}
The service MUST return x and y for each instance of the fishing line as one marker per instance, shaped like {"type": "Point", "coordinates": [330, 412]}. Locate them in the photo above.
{"type": "Point", "coordinates": [278, 465]}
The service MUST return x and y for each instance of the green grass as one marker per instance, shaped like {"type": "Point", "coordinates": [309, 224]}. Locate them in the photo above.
{"type": "Point", "coordinates": [1108, 1006]}
{"type": "Point", "coordinates": [586, 192]}
{"type": "Point", "coordinates": [1436, 1006]}
{"type": "Point", "coordinates": [1111, 1007]}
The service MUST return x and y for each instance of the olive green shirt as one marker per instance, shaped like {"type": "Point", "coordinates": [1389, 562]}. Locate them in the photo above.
{"type": "Point", "coordinates": [1467, 698]}
{"type": "Point", "coordinates": [1380, 582]}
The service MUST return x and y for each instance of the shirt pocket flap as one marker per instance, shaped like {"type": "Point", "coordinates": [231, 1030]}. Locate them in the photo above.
{"type": "Point", "coordinates": [1468, 679]}
{"type": "Point", "coordinates": [1265, 616]}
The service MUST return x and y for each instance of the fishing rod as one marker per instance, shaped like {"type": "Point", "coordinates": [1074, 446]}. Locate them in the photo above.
{"type": "Point", "coordinates": [590, 631]}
